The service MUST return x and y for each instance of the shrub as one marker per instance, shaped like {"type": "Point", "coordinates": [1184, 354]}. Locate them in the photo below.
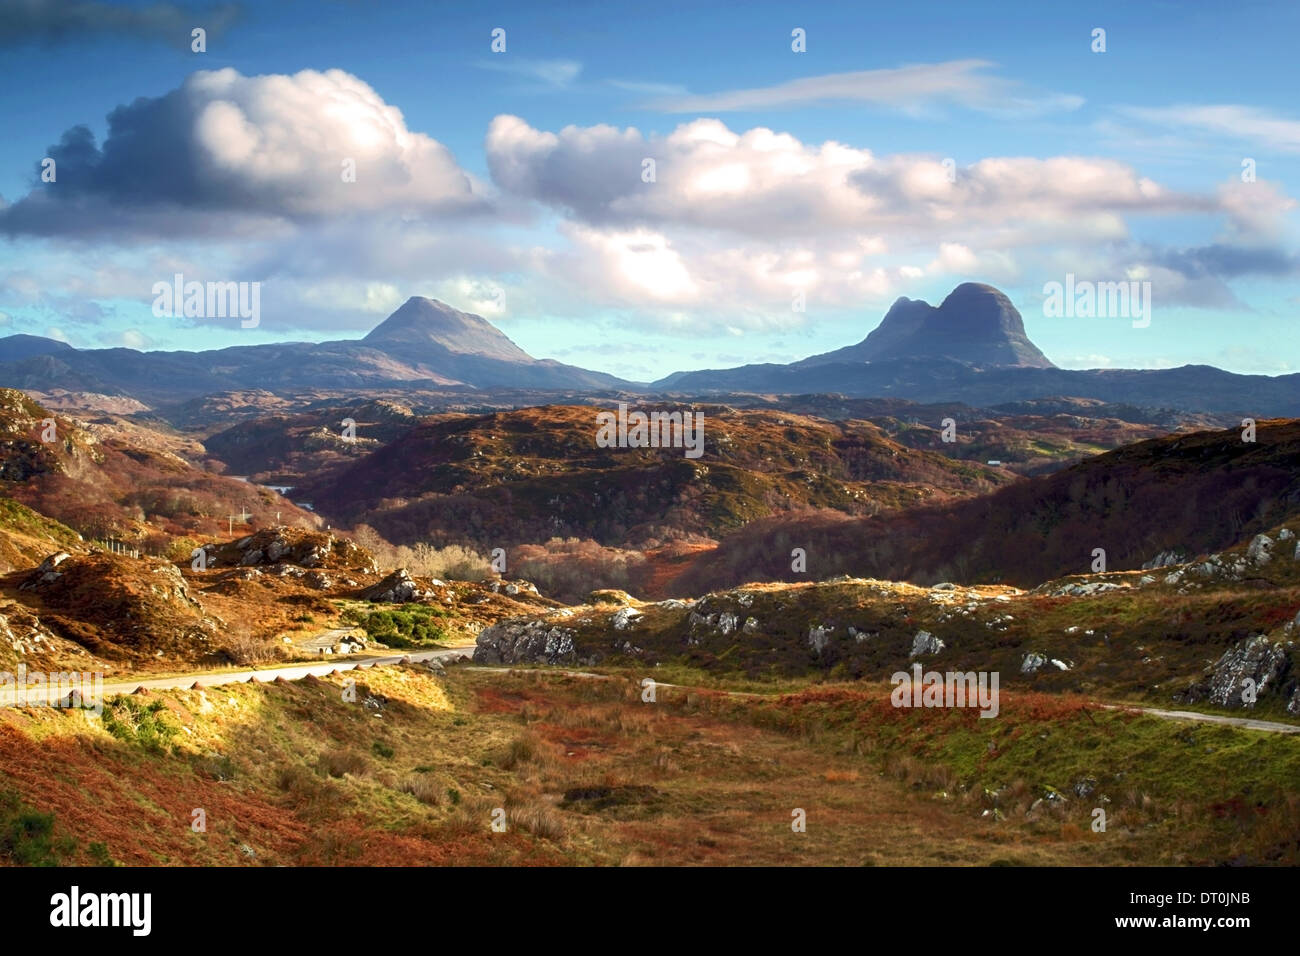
{"type": "Point", "coordinates": [405, 626]}
{"type": "Point", "coordinates": [134, 721]}
{"type": "Point", "coordinates": [336, 763]}
{"type": "Point", "coordinates": [27, 836]}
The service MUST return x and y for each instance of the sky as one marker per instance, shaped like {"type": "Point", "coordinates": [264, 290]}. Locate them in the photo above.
{"type": "Point", "coordinates": [642, 189]}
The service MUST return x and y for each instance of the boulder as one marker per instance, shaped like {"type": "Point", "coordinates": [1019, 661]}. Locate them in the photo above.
{"type": "Point", "coordinates": [926, 643]}
{"type": "Point", "coordinates": [398, 588]}
{"type": "Point", "coordinates": [1255, 659]}
{"type": "Point", "coordinates": [515, 641]}
{"type": "Point", "coordinates": [1260, 549]}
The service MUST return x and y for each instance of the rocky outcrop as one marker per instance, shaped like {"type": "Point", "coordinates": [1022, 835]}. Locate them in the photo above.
{"type": "Point", "coordinates": [512, 588]}
{"type": "Point", "coordinates": [1165, 559]}
{"type": "Point", "coordinates": [46, 572]}
{"type": "Point", "coordinates": [1255, 665]}
{"type": "Point", "coordinates": [518, 641]}
{"type": "Point", "coordinates": [925, 643]}
{"type": "Point", "coordinates": [290, 546]}
{"type": "Point", "coordinates": [398, 588]}
{"type": "Point", "coordinates": [1260, 550]}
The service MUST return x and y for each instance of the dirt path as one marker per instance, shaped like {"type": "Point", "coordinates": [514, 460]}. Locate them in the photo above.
{"type": "Point", "coordinates": [285, 672]}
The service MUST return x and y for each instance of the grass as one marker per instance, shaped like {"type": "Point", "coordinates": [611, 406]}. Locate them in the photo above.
{"type": "Point", "coordinates": [27, 836]}
{"type": "Point", "coordinates": [585, 772]}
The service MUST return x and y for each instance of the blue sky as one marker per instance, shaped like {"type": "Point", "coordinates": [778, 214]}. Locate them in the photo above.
{"type": "Point", "coordinates": [510, 184]}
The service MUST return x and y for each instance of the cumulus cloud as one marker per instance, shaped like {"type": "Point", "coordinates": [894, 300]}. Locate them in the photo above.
{"type": "Point", "coordinates": [126, 338]}
{"type": "Point", "coordinates": [60, 21]}
{"type": "Point", "coordinates": [910, 88]}
{"type": "Point", "coordinates": [226, 152]}
{"type": "Point", "coordinates": [1256, 211]}
{"type": "Point", "coordinates": [764, 183]}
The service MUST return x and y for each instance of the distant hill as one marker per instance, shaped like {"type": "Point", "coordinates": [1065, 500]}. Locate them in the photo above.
{"type": "Point", "coordinates": [424, 343]}
{"type": "Point", "coordinates": [971, 348]}
{"type": "Point", "coordinates": [109, 481]}
{"type": "Point", "coordinates": [15, 348]}
{"type": "Point", "coordinates": [537, 473]}
{"type": "Point", "coordinates": [1189, 494]}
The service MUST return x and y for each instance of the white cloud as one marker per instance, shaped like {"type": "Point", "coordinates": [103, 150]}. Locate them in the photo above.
{"type": "Point", "coordinates": [246, 149]}
{"type": "Point", "coordinates": [910, 88]}
{"type": "Point", "coordinates": [556, 74]}
{"type": "Point", "coordinates": [1226, 121]}
{"type": "Point", "coordinates": [762, 183]}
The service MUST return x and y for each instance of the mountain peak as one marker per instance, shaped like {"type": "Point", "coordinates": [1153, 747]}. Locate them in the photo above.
{"type": "Point", "coordinates": [421, 323]}
{"type": "Point", "coordinates": [975, 324]}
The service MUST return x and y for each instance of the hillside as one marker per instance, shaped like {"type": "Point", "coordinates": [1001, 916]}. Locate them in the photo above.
{"type": "Point", "coordinates": [262, 598]}
{"type": "Point", "coordinates": [1187, 494]}
{"type": "Point", "coordinates": [537, 473]}
{"type": "Point", "coordinates": [273, 446]}
{"type": "Point", "coordinates": [117, 480]}
{"type": "Point", "coordinates": [1183, 634]}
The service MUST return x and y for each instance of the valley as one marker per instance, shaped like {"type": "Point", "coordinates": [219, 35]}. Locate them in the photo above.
{"type": "Point", "coordinates": [616, 652]}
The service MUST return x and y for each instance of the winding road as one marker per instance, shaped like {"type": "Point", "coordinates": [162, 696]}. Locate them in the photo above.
{"type": "Point", "coordinates": [286, 671]}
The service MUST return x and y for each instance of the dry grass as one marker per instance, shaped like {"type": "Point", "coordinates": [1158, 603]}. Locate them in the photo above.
{"type": "Point", "coordinates": [596, 776]}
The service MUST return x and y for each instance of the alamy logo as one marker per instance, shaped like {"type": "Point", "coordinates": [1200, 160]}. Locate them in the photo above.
{"type": "Point", "coordinates": [655, 430]}
{"type": "Point", "coordinates": [209, 300]}
{"type": "Point", "coordinates": [1099, 300]}
{"type": "Point", "coordinates": [71, 690]}
{"type": "Point", "coordinates": [953, 689]}
{"type": "Point", "coordinates": [73, 908]}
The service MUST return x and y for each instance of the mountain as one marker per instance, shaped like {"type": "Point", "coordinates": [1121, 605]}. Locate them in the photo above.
{"type": "Point", "coordinates": [15, 348]}
{"type": "Point", "coordinates": [429, 327]}
{"type": "Point", "coordinates": [973, 349]}
{"type": "Point", "coordinates": [424, 343]}
{"type": "Point", "coordinates": [976, 325]}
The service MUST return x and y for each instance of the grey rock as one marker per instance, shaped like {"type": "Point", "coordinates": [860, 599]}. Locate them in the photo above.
{"type": "Point", "coordinates": [1164, 559]}
{"type": "Point", "coordinates": [925, 643]}
{"type": "Point", "coordinates": [1255, 659]}
{"type": "Point", "coordinates": [1032, 662]}
{"type": "Point", "coordinates": [1260, 549]}
{"type": "Point", "coordinates": [398, 588]}
{"type": "Point", "coordinates": [514, 641]}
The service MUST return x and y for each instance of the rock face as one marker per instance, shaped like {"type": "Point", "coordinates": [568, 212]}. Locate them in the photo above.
{"type": "Point", "coordinates": [282, 546]}
{"type": "Point", "coordinates": [46, 573]}
{"type": "Point", "coordinates": [925, 643]}
{"type": "Point", "coordinates": [1164, 559]}
{"type": "Point", "coordinates": [1260, 550]}
{"type": "Point", "coordinates": [976, 325]}
{"type": "Point", "coordinates": [1256, 659]}
{"type": "Point", "coordinates": [514, 641]}
{"type": "Point", "coordinates": [398, 588]}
